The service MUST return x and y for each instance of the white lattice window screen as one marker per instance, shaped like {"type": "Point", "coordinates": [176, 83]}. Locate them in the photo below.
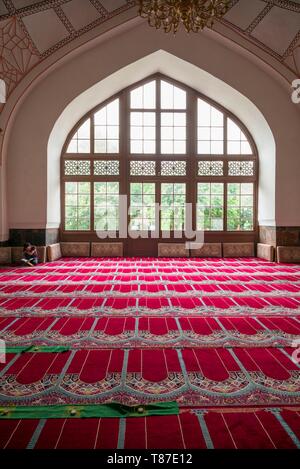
{"type": "Point", "coordinates": [173, 168]}
{"type": "Point", "coordinates": [240, 168]}
{"type": "Point", "coordinates": [142, 168]}
{"type": "Point", "coordinates": [77, 168]}
{"type": "Point", "coordinates": [106, 168]}
{"type": "Point", "coordinates": [210, 168]}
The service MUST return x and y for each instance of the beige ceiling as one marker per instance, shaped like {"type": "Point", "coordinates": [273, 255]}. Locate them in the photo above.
{"type": "Point", "coordinates": [31, 30]}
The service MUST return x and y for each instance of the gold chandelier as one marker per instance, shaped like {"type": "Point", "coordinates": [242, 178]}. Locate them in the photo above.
{"type": "Point", "coordinates": [193, 14]}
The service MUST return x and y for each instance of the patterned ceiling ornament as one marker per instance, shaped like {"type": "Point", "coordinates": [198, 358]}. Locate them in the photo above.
{"type": "Point", "coordinates": [285, 4]}
{"type": "Point", "coordinates": [18, 55]}
{"type": "Point", "coordinates": [195, 15]}
{"type": "Point", "coordinates": [296, 59]}
{"type": "Point", "coordinates": [293, 52]}
{"type": "Point", "coordinates": [259, 18]}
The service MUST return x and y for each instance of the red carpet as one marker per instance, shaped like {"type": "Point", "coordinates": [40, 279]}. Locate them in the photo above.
{"type": "Point", "coordinates": [192, 429]}
{"type": "Point", "coordinates": [215, 335]}
{"type": "Point", "coordinates": [149, 331]}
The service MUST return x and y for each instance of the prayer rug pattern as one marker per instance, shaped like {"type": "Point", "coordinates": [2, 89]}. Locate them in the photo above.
{"type": "Point", "coordinates": [216, 335]}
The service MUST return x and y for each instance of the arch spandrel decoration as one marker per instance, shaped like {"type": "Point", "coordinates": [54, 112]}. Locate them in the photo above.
{"type": "Point", "coordinates": [159, 141]}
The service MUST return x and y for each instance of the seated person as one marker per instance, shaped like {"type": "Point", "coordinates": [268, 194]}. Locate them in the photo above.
{"type": "Point", "coordinates": [30, 256]}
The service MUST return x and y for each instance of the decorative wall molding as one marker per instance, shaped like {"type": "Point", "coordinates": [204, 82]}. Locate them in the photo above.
{"type": "Point", "coordinates": [259, 18]}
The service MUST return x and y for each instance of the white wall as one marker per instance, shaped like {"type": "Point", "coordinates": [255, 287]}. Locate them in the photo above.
{"type": "Point", "coordinates": [2, 91]}
{"type": "Point", "coordinates": [54, 105]}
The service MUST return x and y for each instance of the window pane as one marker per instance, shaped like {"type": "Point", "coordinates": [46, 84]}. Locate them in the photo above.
{"type": "Point", "coordinates": [112, 113]}
{"type": "Point", "coordinates": [216, 148]}
{"type": "Point", "coordinates": [149, 95]}
{"type": "Point", "coordinates": [210, 206]}
{"type": "Point", "coordinates": [113, 132]}
{"type": "Point", "coordinates": [179, 147]}
{"type": "Point", "coordinates": [106, 206]}
{"type": "Point", "coordinates": [84, 130]}
{"type": "Point", "coordinates": [136, 146]}
{"type": "Point", "coordinates": [237, 142]}
{"type": "Point", "coordinates": [167, 147]}
{"type": "Point", "coordinates": [167, 119]}
{"type": "Point", "coordinates": [77, 206]}
{"type": "Point", "coordinates": [100, 117]}
{"type": "Point", "coordinates": [204, 147]}
{"type": "Point", "coordinates": [149, 146]}
{"type": "Point", "coordinates": [173, 137]}
{"type": "Point", "coordinates": [240, 206]}
{"type": "Point", "coordinates": [142, 206]}
{"type": "Point", "coordinates": [142, 132]}
{"type": "Point", "coordinates": [106, 128]}
{"type": "Point", "coordinates": [144, 97]}
{"type": "Point", "coordinates": [100, 146]}
{"type": "Point", "coordinates": [71, 187]}
{"type": "Point", "coordinates": [210, 129]}
{"type": "Point", "coordinates": [84, 187]}
{"type": "Point", "coordinates": [112, 146]}
{"type": "Point", "coordinates": [136, 98]}
{"type": "Point", "coordinates": [172, 206]}
{"type": "Point", "coordinates": [80, 142]}
{"type": "Point", "coordinates": [172, 97]}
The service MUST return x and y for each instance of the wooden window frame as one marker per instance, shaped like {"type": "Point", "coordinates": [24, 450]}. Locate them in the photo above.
{"type": "Point", "coordinates": [191, 157]}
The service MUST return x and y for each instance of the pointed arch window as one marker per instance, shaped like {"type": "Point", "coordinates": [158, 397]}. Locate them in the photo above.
{"type": "Point", "coordinates": [160, 141]}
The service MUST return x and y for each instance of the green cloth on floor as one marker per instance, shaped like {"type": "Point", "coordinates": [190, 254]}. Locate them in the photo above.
{"type": "Point", "coordinates": [36, 348]}
{"type": "Point", "coordinates": [88, 411]}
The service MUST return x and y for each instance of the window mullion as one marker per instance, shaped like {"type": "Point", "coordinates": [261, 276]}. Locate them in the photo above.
{"type": "Point", "coordinates": [158, 202]}
{"type": "Point", "coordinates": [158, 119]}
{"type": "Point", "coordinates": [191, 171]}
{"type": "Point", "coordinates": [225, 206]}
{"type": "Point", "coordinates": [92, 142]}
{"type": "Point", "coordinates": [92, 206]}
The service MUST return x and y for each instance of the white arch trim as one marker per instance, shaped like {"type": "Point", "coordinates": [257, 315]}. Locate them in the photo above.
{"type": "Point", "coordinates": [191, 75]}
{"type": "Point", "coordinates": [2, 92]}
